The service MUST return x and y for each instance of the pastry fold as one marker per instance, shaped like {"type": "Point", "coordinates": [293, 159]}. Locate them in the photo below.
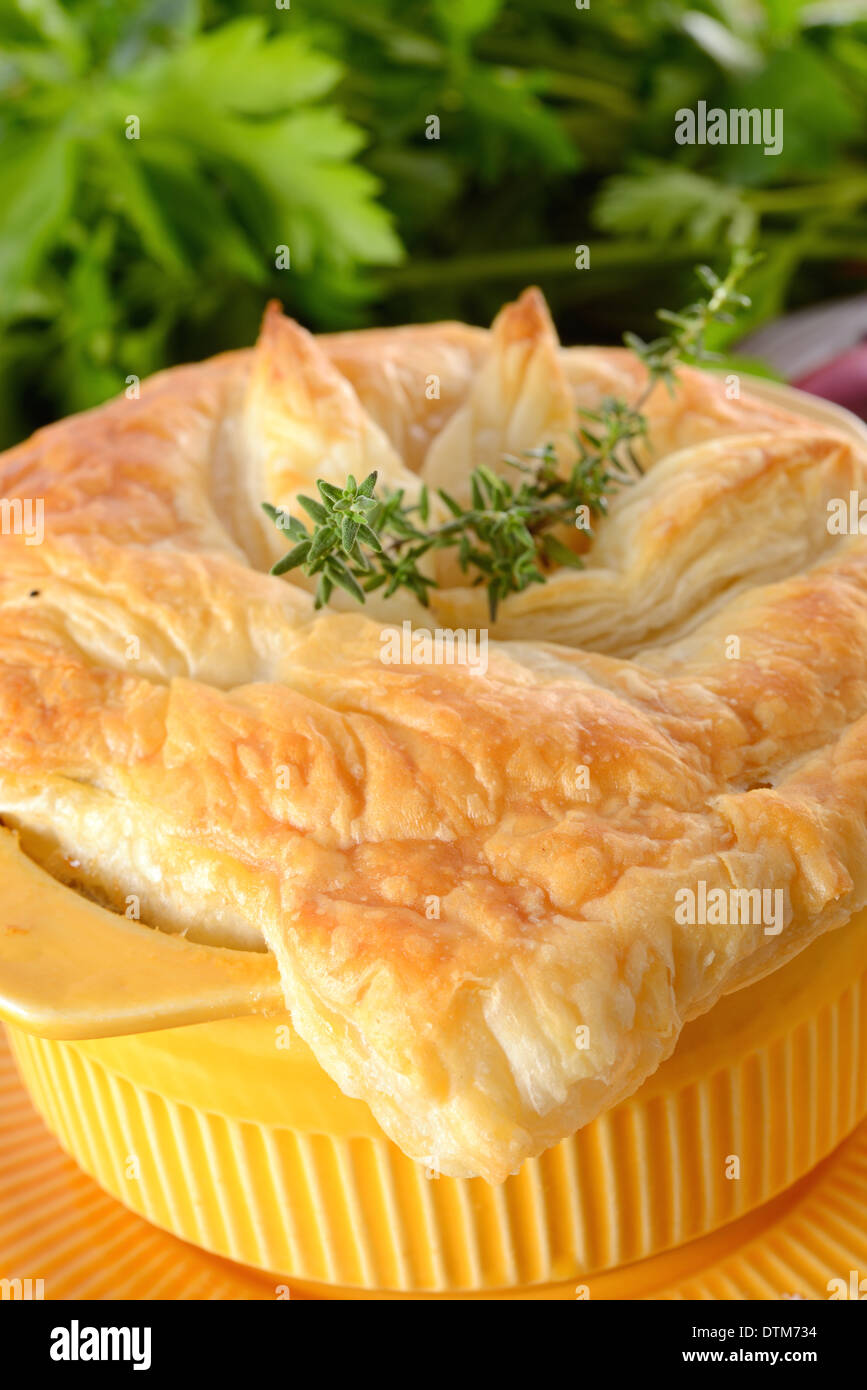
{"type": "Point", "coordinates": [476, 882]}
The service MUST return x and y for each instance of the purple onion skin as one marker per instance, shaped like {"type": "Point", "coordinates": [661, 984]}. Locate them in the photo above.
{"type": "Point", "coordinates": [842, 380]}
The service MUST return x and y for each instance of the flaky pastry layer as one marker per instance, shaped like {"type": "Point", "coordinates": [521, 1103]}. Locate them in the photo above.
{"type": "Point", "coordinates": [469, 879]}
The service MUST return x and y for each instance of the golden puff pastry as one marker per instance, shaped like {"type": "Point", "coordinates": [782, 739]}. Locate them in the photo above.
{"type": "Point", "coordinates": [469, 879]}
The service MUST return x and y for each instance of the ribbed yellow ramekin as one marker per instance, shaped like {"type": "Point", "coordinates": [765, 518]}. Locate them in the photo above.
{"type": "Point", "coordinates": [230, 1135]}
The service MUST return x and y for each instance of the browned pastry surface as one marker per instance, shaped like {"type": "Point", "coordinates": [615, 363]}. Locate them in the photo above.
{"type": "Point", "coordinates": [177, 725]}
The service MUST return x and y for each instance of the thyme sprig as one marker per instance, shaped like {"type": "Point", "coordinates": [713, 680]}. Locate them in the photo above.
{"type": "Point", "coordinates": [505, 539]}
{"type": "Point", "coordinates": [686, 338]}
{"type": "Point", "coordinates": [361, 542]}
{"type": "Point", "coordinates": [617, 425]}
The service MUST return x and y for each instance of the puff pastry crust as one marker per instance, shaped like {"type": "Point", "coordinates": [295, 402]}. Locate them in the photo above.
{"type": "Point", "coordinates": [177, 725]}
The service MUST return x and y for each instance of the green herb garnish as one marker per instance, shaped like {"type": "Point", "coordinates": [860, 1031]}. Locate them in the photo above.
{"type": "Point", "coordinates": [505, 538]}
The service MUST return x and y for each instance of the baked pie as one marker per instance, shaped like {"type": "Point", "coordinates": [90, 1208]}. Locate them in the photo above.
{"type": "Point", "coordinates": [473, 881]}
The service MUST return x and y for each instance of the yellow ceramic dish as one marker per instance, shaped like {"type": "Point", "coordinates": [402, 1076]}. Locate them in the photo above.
{"type": "Point", "coordinates": [230, 1135]}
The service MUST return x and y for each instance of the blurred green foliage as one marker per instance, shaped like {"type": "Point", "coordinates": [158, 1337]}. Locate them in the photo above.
{"type": "Point", "coordinates": [306, 127]}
